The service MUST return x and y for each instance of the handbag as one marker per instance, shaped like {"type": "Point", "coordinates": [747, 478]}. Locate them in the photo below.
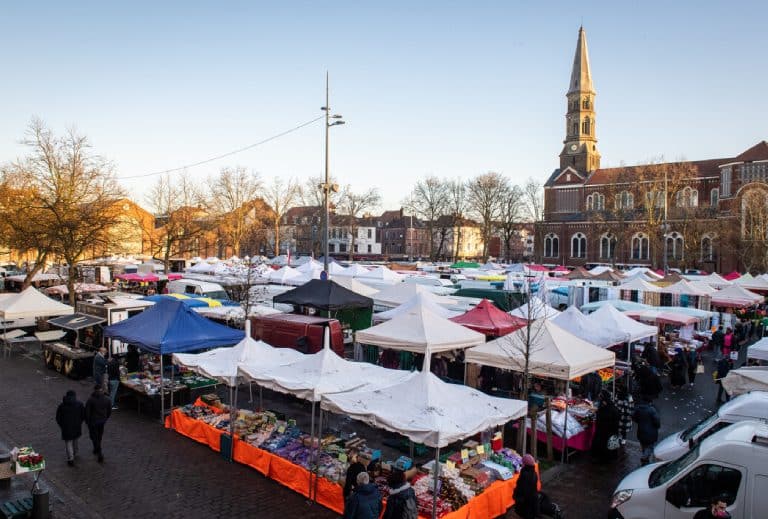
{"type": "Point", "coordinates": [613, 442]}
{"type": "Point", "coordinates": [700, 368]}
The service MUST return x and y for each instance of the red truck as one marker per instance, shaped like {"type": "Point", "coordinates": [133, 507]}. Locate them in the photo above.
{"type": "Point", "coordinates": [300, 332]}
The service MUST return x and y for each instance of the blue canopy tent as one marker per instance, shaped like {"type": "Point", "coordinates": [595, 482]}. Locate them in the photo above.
{"type": "Point", "coordinates": [172, 327]}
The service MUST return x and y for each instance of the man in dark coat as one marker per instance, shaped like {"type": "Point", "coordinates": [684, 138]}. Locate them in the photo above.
{"type": "Point", "coordinates": [717, 342]}
{"type": "Point", "coordinates": [401, 503]}
{"type": "Point", "coordinates": [70, 415]}
{"type": "Point", "coordinates": [648, 424]}
{"type": "Point", "coordinates": [606, 425]}
{"type": "Point", "coordinates": [355, 468]}
{"type": "Point", "coordinates": [723, 367]}
{"type": "Point", "coordinates": [98, 409]}
{"type": "Point", "coordinates": [526, 493]}
{"type": "Point", "coordinates": [100, 368]}
{"type": "Point", "coordinates": [365, 502]}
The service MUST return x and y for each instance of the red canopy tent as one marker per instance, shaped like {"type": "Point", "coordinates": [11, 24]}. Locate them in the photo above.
{"type": "Point", "coordinates": [137, 277]}
{"type": "Point", "coordinates": [733, 275]}
{"type": "Point", "coordinates": [489, 320]}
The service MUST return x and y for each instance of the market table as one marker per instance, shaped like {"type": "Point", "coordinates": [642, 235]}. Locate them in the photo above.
{"type": "Point", "coordinates": [25, 342]}
{"type": "Point", "coordinates": [492, 502]}
{"type": "Point", "coordinates": [73, 362]}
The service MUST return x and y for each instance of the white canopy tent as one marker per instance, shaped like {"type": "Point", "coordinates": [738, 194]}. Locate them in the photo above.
{"type": "Point", "coordinates": [575, 322]}
{"type": "Point", "coordinates": [682, 287]}
{"type": "Point", "coordinates": [553, 352]}
{"type": "Point", "coordinates": [310, 266]}
{"type": "Point", "coordinates": [413, 305]}
{"type": "Point", "coordinates": [355, 285]}
{"type": "Point", "coordinates": [621, 327]}
{"type": "Point", "coordinates": [645, 271]}
{"type": "Point", "coordinates": [639, 284]}
{"type": "Point", "coordinates": [743, 380]}
{"type": "Point", "coordinates": [383, 274]}
{"type": "Point", "coordinates": [400, 293]}
{"type": "Point", "coordinates": [334, 269]}
{"type": "Point", "coordinates": [758, 350]}
{"type": "Point", "coordinates": [355, 270]}
{"type": "Point", "coordinates": [535, 309]}
{"type": "Point", "coordinates": [420, 331]}
{"type": "Point", "coordinates": [286, 275]}
{"type": "Point", "coordinates": [735, 296]}
{"type": "Point", "coordinates": [752, 283]}
{"type": "Point", "coordinates": [31, 303]}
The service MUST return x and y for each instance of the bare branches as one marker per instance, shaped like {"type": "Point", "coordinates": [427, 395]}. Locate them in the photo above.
{"type": "Point", "coordinates": [485, 196]}
{"type": "Point", "coordinates": [232, 193]}
{"type": "Point", "coordinates": [280, 195]}
{"type": "Point", "coordinates": [352, 206]}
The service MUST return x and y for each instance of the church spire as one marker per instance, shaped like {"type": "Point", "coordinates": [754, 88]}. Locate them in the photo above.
{"type": "Point", "coordinates": [580, 150]}
{"type": "Point", "coordinates": [581, 78]}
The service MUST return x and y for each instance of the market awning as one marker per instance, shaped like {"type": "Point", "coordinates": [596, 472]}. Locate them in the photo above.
{"type": "Point", "coordinates": [758, 350]}
{"type": "Point", "coordinates": [744, 380]}
{"type": "Point", "coordinates": [76, 321]}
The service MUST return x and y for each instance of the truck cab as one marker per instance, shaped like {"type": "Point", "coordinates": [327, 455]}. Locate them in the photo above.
{"type": "Point", "coordinates": [732, 463]}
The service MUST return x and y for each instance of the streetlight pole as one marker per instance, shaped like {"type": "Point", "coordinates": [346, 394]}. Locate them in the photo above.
{"type": "Point", "coordinates": [326, 186]}
{"type": "Point", "coordinates": [666, 266]}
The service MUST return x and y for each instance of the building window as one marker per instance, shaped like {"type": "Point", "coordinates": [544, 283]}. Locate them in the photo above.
{"type": "Point", "coordinates": [640, 246]}
{"type": "Point", "coordinates": [725, 182]}
{"type": "Point", "coordinates": [707, 251]}
{"type": "Point", "coordinates": [586, 126]}
{"type": "Point", "coordinates": [369, 249]}
{"type": "Point", "coordinates": [575, 130]}
{"type": "Point", "coordinates": [585, 104]}
{"type": "Point", "coordinates": [625, 200]}
{"type": "Point", "coordinates": [551, 246]}
{"type": "Point", "coordinates": [714, 197]}
{"type": "Point", "coordinates": [370, 233]}
{"type": "Point", "coordinates": [595, 202]}
{"type": "Point", "coordinates": [687, 197]}
{"type": "Point", "coordinates": [578, 245]}
{"type": "Point", "coordinates": [607, 246]}
{"type": "Point", "coordinates": [342, 247]}
{"type": "Point", "coordinates": [674, 246]}
{"type": "Point", "coordinates": [654, 199]}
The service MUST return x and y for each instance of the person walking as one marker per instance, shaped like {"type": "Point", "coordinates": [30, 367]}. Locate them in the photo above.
{"type": "Point", "coordinates": [100, 368]}
{"type": "Point", "coordinates": [626, 405]}
{"type": "Point", "coordinates": [526, 493]}
{"type": "Point", "coordinates": [648, 424]}
{"type": "Point", "coordinates": [365, 502]}
{"type": "Point", "coordinates": [728, 341]}
{"type": "Point", "coordinates": [717, 342]}
{"type": "Point", "coordinates": [401, 503]}
{"type": "Point", "coordinates": [723, 367]}
{"type": "Point", "coordinates": [70, 415]}
{"type": "Point", "coordinates": [98, 409]}
{"type": "Point", "coordinates": [692, 359]}
{"type": "Point", "coordinates": [679, 368]}
{"type": "Point", "coordinates": [113, 376]}
{"type": "Point", "coordinates": [606, 428]}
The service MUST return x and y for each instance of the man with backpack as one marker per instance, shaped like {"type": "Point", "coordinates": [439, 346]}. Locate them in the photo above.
{"type": "Point", "coordinates": [401, 503]}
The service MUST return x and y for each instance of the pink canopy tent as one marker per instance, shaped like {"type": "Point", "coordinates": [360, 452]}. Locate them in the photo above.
{"type": "Point", "coordinates": [489, 320]}
{"type": "Point", "coordinates": [138, 277]}
{"type": "Point", "coordinates": [731, 276]}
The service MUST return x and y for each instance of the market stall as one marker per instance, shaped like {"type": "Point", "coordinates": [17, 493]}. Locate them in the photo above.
{"type": "Point", "coordinates": [487, 319]}
{"type": "Point", "coordinates": [395, 295]}
{"type": "Point", "coordinates": [548, 351]}
{"type": "Point", "coordinates": [535, 309]}
{"type": "Point", "coordinates": [747, 379]}
{"type": "Point", "coordinates": [413, 305]}
{"type": "Point", "coordinates": [736, 296]}
{"type": "Point", "coordinates": [29, 304]}
{"type": "Point", "coordinates": [74, 360]}
{"type": "Point", "coordinates": [759, 350]}
{"type": "Point", "coordinates": [171, 327]}
{"type": "Point", "coordinates": [575, 322]}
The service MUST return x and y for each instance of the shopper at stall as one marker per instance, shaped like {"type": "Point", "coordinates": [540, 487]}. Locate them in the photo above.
{"type": "Point", "coordinates": [651, 356]}
{"type": "Point", "coordinates": [679, 369]}
{"type": "Point", "coordinates": [100, 367]}
{"type": "Point", "coordinates": [728, 341]}
{"type": "Point", "coordinates": [605, 441]}
{"type": "Point", "coordinates": [723, 367]}
{"type": "Point", "coordinates": [98, 409]}
{"type": "Point", "coordinates": [526, 493]}
{"type": "Point", "coordinates": [365, 502]}
{"type": "Point", "coordinates": [626, 405]}
{"type": "Point", "coordinates": [401, 503]}
{"type": "Point", "coordinates": [132, 359]}
{"type": "Point", "coordinates": [113, 376]}
{"type": "Point", "coordinates": [70, 415]}
{"type": "Point", "coordinates": [355, 468]}
{"type": "Point", "coordinates": [692, 359]}
{"type": "Point", "coordinates": [717, 342]}
{"type": "Point", "coordinates": [648, 424]}
{"type": "Point", "coordinates": [649, 382]}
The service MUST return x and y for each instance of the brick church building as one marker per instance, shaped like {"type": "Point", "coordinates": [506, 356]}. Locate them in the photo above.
{"type": "Point", "coordinates": [709, 214]}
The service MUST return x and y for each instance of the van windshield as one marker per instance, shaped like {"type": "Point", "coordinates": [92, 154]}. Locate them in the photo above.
{"type": "Point", "coordinates": [664, 473]}
{"type": "Point", "coordinates": [217, 294]}
{"type": "Point", "coordinates": [694, 430]}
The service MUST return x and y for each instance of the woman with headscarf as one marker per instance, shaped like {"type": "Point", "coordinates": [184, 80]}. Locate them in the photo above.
{"type": "Point", "coordinates": [526, 493]}
{"type": "Point", "coordinates": [679, 369]}
{"type": "Point", "coordinates": [606, 426]}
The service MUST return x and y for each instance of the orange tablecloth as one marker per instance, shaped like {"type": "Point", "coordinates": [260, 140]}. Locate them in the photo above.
{"type": "Point", "coordinates": [493, 502]}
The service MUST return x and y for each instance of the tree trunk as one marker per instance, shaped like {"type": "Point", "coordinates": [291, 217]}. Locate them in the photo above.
{"type": "Point", "coordinates": [277, 236]}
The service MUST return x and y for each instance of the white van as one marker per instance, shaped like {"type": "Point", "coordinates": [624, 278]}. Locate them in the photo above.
{"type": "Point", "coordinates": [732, 463]}
{"type": "Point", "coordinates": [749, 406]}
{"type": "Point", "coordinates": [198, 288]}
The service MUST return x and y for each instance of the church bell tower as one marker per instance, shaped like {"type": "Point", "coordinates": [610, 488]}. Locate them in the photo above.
{"type": "Point", "coordinates": [580, 150]}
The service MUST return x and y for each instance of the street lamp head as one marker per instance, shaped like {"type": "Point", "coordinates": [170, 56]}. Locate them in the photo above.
{"type": "Point", "coordinates": [324, 108]}
{"type": "Point", "coordinates": [336, 123]}
{"type": "Point", "coordinates": [336, 116]}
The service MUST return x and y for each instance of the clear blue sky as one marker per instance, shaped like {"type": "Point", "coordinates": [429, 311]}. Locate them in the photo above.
{"type": "Point", "coordinates": [447, 88]}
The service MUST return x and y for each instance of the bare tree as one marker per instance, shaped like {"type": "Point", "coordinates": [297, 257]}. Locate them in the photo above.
{"type": "Point", "coordinates": [231, 195]}
{"type": "Point", "coordinates": [352, 206]}
{"type": "Point", "coordinates": [485, 199]}
{"type": "Point", "coordinates": [280, 196]}
{"type": "Point", "coordinates": [510, 217]}
{"type": "Point", "coordinates": [72, 192]}
{"type": "Point", "coordinates": [754, 229]}
{"type": "Point", "coordinates": [428, 201]}
{"type": "Point", "coordinates": [457, 207]}
{"type": "Point", "coordinates": [533, 197]}
{"type": "Point", "coordinates": [180, 218]}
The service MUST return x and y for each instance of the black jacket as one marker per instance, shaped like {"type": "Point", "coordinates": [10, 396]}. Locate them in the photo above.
{"type": "Point", "coordinates": [98, 408]}
{"type": "Point", "coordinates": [113, 369]}
{"type": "Point", "coordinates": [99, 367]}
{"type": "Point", "coordinates": [401, 504]}
{"type": "Point", "coordinates": [350, 485]}
{"type": "Point", "coordinates": [526, 495]}
{"type": "Point", "coordinates": [648, 423]}
{"type": "Point", "coordinates": [70, 415]}
{"type": "Point", "coordinates": [365, 503]}
{"type": "Point", "coordinates": [723, 367]}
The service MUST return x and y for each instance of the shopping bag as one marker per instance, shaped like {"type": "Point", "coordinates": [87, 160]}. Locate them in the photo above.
{"type": "Point", "coordinates": [613, 442]}
{"type": "Point", "coordinates": [734, 355]}
{"type": "Point", "coordinates": [714, 375]}
{"type": "Point", "coordinates": [700, 368]}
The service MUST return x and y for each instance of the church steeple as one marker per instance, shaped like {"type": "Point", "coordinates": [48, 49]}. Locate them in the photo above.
{"type": "Point", "coordinates": [580, 150]}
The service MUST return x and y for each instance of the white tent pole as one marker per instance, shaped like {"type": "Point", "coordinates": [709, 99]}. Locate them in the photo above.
{"type": "Point", "coordinates": [250, 391]}
{"type": "Point", "coordinates": [319, 435]}
{"type": "Point", "coordinates": [436, 473]}
{"type": "Point", "coordinates": [261, 398]}
{"type": "Point", "coordinates": [162, 391]}
{"type": "Point", "coordinates": [311, 445]}
{"type": "Point", "coordinates": [565, 423]}
{"type": "Point", "coordinates": [232, 415]}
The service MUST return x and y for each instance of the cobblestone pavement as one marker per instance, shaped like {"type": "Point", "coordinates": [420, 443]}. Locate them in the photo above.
{"type": "Point", "coordinates": [149, 471]}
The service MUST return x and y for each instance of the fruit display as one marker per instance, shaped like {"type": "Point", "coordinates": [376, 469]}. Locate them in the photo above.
{"type": "Point", "coordinates": [26, 460]}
